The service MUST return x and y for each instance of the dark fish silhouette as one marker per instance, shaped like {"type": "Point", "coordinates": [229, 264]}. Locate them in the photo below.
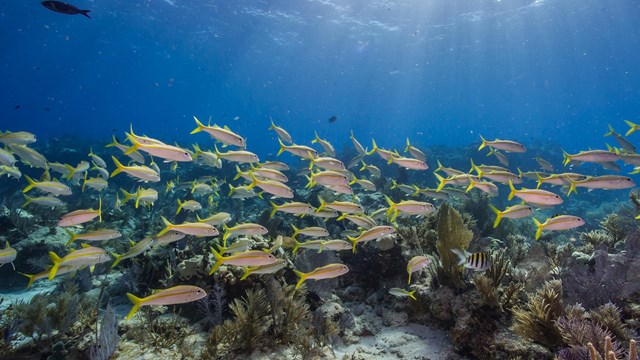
{"type": "Point", "coordinates": [333, 119]}
{"type": "Point", "coordinates": [64, 8]}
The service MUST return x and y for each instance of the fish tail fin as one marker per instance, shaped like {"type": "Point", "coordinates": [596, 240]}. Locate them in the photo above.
{"type": "Point", "coordinates": [408, 146]}
{"type": "Point", "coordinates": [85, 13]}
{"type": "Point", "coordinates": [168, 226]}
{"type": "Point", "coordinates": [440, 167]}
{"type": "Point", "coordinates": [364, 166]}
{"type": "Point", "coordinates": [72, 171]}
{"type": "Point", "coordinates": [316, 139]}
{"type": "Point", "coordinates": [461, 254]}
{"type": "Point", "coordinates": [472, 184]}
{"type": "Point", "coordinates": [441, 180]}
{"type": "Point", "coordinates": [322, 204]}
{"type": "Point", "coordinates": [246, 270]}
{"type": "Point", "coordinates": [354, 242]}
{"type": "Point", "coordinates": [99, 209]}
{"type": "Point", "coordinates": [302, 277]}
{"type": "Point", "coordinates": [32, 278]}
{"type": "Point", "coordinates": [296, 246]}
{"type": "Point", "coordinates": [239, 173]}
{"type": "Point", "coordinates": [311, 183]}
{"type": "Point", "coordinates": [484, 143]}
{"type": "Point", "coordinates": [375, 147]}
{"type": "Point", "coordinates": [567, 158]}
{"type": "Point", "coordinates": [137, 302]}
{"type": "Point", "coordinates": [135, 144]}
{"type": "Point", "coordinates": [572, 187]}
{"type": "Point", "coordinates": [218, 262]}
{"type": "Point", "coordinates": [498, 216]}
{"type": "Point", "coordinates": [118, 259]}
{"type": "Point", "coordinates": [540, 181]}
{"type": "Point", "coordinates": [32, 183]}
{"type": "Point", "coordinates": [611, 131]}
{"type": "Point", "coordinates": [119, 167]}
{"type": "Point", "coordinates": [394, 184]}
{"type": "Point", "coordinates": [113, 143]}
{"type": "Point", "coordinates": [633, 127]}
{"type": "Point", "coordinates": [273, 211]}
{"type": "Point", "coordinates": [296, 231]}
{"type": "Point", "coordinates": [392, 205]}
{"type": "Point", "coordinates": [410, 293]}
{"type": "Point", "coordinates": [539, 226]}
{"type": "Point", "coordinates": [513, 190]}
{"type": "Point", "coordinates": [179, 206]}
{"type": "Point", "coordinates": [254, 182]}
{"type": "Point", "coordinates": [28, 200]}
{"type": "Point", "coordinates": [72, 235]}
{"type": "Point", "coordinates": [199, 126]}
{"type": "Point", "coordinates": [56, 264]}
{"type": "Point", "coordinates": [283, 147]}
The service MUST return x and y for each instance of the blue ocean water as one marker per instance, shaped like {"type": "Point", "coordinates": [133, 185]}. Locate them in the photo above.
{"type": "Point", "coordinates": [439, 72]}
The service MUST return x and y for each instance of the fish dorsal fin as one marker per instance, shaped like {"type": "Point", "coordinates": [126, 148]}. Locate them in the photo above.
{"type": "Point", "coordinates": [155, 291]}
{"type": "Point", "coordinates": [55, 180]}
{"type": "Point", "coordinates": [84, 246]}
{"type": "Point", "coordinates": [132, 242]}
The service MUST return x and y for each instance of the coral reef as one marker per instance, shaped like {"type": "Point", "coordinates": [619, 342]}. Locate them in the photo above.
{"type": "Point", "coordinates": [537, 320]}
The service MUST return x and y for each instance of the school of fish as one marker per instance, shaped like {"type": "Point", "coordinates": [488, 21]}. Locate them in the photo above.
{"type": "Point", "coordinates": [260, 179]}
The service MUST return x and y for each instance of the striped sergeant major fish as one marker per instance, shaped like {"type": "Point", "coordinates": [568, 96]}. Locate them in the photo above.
{"type": "Point", "coordinates": [477, 261]}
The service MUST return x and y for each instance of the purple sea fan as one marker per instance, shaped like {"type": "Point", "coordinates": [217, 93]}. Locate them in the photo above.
{"type": "Point", "coordinates": [606, 277]}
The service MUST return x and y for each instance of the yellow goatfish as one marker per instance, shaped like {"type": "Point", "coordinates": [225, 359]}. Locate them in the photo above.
{"type": "Point", "coordinates": [164, 151]}
{"type": "Point", "coordinates": [176, 295]}
{"type": "Point", "coordinates": [264, 269]}
{"type": "Point", "coordinates": [224, 135]}
{"type": "Point", "coordinates": [53, 187]}
{"type": "Point", "coordinates": [417, 263]}
{"type": "Point", "coordinates": [282, 133]}
{"type": "Point", "coordinates": [246, 258]}
{"type": "Point", "coordinates": [88, 255]}
{"type": "Point", "coordinates": [512, 212]}
{"type": "Point", "coordinates": [506, 145]}
{"type": "Point", "coordinates": [199, 229]}
{"type": "Point", "coordinates": [325, 272]}
{"type": "Point", "coordinates": [559, 222]}
{"type": "Point", "coordinates": [402, 293]}
{"type": "Point", "coordinates": [17, 138]}
{"type": "Point", "coordinates": [96, 235]}
{"type": "Point", "coordinates": [141, 172]}
{"type": "Point", "coordinates": [135, 250]}
{"type": "Point", "coordinates": [81, 216]}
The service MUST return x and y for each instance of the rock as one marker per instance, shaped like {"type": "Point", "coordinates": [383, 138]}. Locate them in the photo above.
{"type": "Point", "coordinates": [386, 243]}
{"type": "Point", "coordinates": [394, 319]}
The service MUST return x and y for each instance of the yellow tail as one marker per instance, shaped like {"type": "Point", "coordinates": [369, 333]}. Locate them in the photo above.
{"type": "Point", "coordinates": [219, 258]}
{"type": "Point", "coordinates": [498, 216]}
{"type": "Point", "coordinates": [32, 278]}
{"type": "Point", "coordinates": [302, 277]}
{"type": "Point", "coordinates": [72, 235]}
{"type": "Point", "coordinates": [513, 191]}
{"type": "Point", "coordinates": [137, 302]}
{"type": "Point", "coordinates": [119, 167]}
{"type": "Point", "coordinates": [168, 226]}
{"type": "Point", "coordinates": [56, 264]}
{"type": "Point", "coordinates": [199, 128]}
{"type": "Point", "coordinates": [117, 261]}
{"type": "Point", "coordinates": [32, 183]}
{"type": "Point", "coordinates": [539, 231]}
